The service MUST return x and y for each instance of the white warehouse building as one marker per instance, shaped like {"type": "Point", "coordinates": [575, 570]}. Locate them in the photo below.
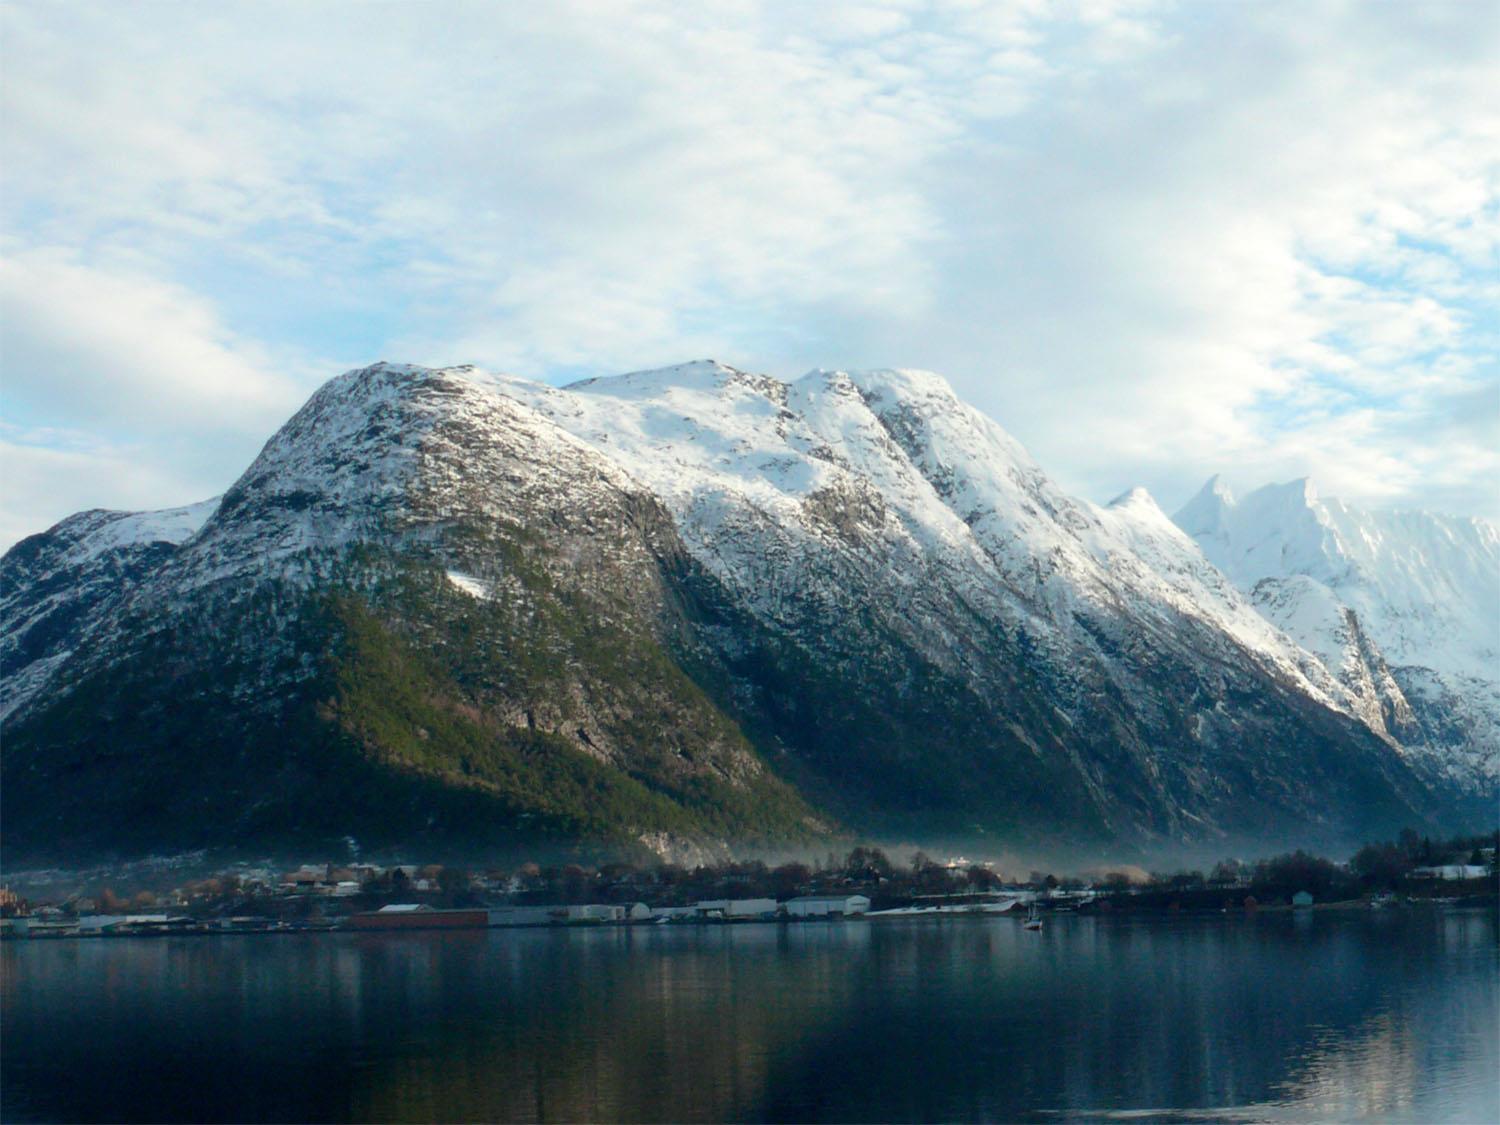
{"type": "Point", "coordinates": [824, 906]}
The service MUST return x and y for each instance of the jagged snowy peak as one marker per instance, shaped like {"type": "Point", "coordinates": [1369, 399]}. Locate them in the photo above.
{"type": "Point", "coordinates": [1403, 607]}
{"type": "Point", "coordinates": [1425, 586]}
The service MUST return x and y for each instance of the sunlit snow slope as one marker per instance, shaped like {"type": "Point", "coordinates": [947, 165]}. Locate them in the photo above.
{"type": "Point", "coordinates": [1402, 607]}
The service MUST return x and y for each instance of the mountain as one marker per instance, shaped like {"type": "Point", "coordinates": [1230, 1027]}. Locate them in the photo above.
{"type": "Point", "coordinates": [668, 611]}
{"type": "Point", "coordinates": [1403, 607]}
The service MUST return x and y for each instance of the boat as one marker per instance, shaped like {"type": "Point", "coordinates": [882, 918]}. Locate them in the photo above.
{"type": "Point", "coordinates": [1033, 919]}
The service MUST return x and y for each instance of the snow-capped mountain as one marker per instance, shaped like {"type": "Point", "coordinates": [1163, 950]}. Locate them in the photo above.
{"type": "Point", "coordinates": [679, 605]}
{"type": "Point", "coordinates": [897, 450]}
{"type": "Point", "coordinates": [1402, 607]}
{"type": "Point", "coordinates": [59, 586]}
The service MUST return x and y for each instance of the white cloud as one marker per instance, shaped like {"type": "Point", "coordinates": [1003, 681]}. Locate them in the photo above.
{"type": "Point", "coordinates": [1179, 260]}
{"type": "Point", "coordinates": [124, 351]}
{"type": "Point", "coordinates": [42, 483]}
{"type": "Point", "coordinates": [1154, 241]}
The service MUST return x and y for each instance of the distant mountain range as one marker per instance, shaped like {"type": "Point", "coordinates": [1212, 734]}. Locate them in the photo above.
{"type": "Point", "coordinates": [692, 607]}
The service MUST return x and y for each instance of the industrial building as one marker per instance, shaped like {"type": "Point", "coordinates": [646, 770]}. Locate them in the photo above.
{"type": "Point", "coordinates": [827, 906]}
{"type": "Point", "coordinates": [743, 908]}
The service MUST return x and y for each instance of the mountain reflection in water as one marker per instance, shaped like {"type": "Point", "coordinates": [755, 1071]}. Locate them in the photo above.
{"type": "Point", "coordinates": [1334, 1016]}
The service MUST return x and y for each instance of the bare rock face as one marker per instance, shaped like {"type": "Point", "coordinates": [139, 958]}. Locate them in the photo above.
{"type": "Point", "coordinates": [676, 610]}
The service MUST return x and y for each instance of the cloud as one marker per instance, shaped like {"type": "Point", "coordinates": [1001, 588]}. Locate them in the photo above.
{"type": "Point", "coordinates": [1155, 241]}
{"type": "Point", "coordinates": [1267, 252]}
{"type": "Point", "coordinates": [122, 351]}
{"type": "Point", "coordinates": [47, 476]}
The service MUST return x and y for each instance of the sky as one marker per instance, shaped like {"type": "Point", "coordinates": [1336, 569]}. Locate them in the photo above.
{"type": "Point", "coordinates": [1154, 241]}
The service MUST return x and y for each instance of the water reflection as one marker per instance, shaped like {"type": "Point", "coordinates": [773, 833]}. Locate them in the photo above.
{"type": "Point", "coordinates": [1333, 1017]}
{"type": "Point", "coordinates": [633, 1024]}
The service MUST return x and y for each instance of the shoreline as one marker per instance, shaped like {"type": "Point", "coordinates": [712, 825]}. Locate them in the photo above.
{"type": "Point", "coordinates": [278, 929]}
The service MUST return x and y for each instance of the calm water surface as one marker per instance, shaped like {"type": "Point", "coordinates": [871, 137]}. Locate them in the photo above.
{"type": "Point", "coordinates": [1327, 1016]}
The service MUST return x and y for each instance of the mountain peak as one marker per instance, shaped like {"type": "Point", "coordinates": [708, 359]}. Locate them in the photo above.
{"type": "Point", "coordinates": [1208, 513]}
{"type": "Point", "coordinates": [1217, 486]}
{"type": "Point", "coordinates": [1300, 492]}
{"type": "Point", "coordinates": [1203, 515]}
{"type": "Point", "coordinates": [1135, 495]}
{"type": "Point", "coordinates": [1138, 501]}
{"type": "Point", "coordinates": [1140, 504]}
{"type": "Point", "coordinates": [903, 383]}
{"type": "Point", "coordinates": [697, 373]}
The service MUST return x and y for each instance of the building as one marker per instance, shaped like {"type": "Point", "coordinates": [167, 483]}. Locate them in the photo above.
{"type": "Point", "coordinates": [1302, 898]}
{"type": "Point", "coordinates": [827, 906]}
{"type": "Point", "coordinates": [741, 908]}
{"type": "Point", "coordinates": [526, 916]}
{"type": "Point", "coordinates": [140, 923]}
{"type": "Point", "coordinates": [1451, 871]}
{"type": "Point", "coordinates": [92, 925]}
{"type": "Point", "coordinates": [586, 914]}
{"type": "Point", "coordinates": [418, 916]}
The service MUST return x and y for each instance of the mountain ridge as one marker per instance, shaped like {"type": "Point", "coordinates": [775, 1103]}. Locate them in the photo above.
{"type": "Point", "coordinates": [889, 614]}
{"type": "Point", "coordinates": [1405, 603]}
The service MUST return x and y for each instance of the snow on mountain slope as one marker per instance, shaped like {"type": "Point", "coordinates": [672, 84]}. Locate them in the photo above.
{"type": "Point", "coordinates": [1303, 608]}
{"type": "Point", "coordinates": [805, 497]}
{"type": "Point", "coordinates": [934, 482]}
{"type": "Point", "coordinates": [762, 478]}
{"type": "Point", "coordinates": [1127, 558]}
{"type": "Point", "coordinates": [1427, 587]}
{"type": "Point", "coordinates": [889, 588]}
{"type": "Point", "coordinates": [1404, 607]}
{"type": "Point", "coordinates": [1141, 538]}
{"type": "Point", "coordinates": [63, 582]}
{"type": "Point", "coordinates": [107, 531]}
{"type": "Point", "coordinates": [389, 452]}
{"type": "Point", "coordinates": [792, 495]}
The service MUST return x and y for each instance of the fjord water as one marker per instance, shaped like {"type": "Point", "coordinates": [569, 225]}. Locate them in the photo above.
{"type": "Point", "coordinates": [1323, 1015]}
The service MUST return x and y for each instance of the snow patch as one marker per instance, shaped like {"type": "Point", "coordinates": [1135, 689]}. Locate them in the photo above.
{"type": "Point", "coordinates": [474, 587]}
